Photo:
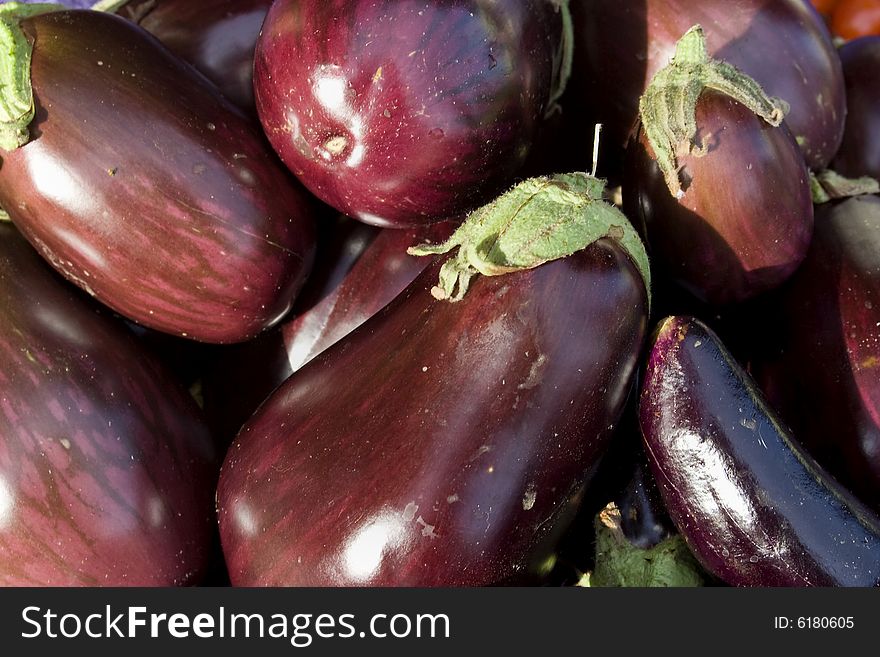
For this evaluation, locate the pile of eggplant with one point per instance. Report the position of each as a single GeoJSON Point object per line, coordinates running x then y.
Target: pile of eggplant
{"type": "Point", "coordinates": [438, 293]}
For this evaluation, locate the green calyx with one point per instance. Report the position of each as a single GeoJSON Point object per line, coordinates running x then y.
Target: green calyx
{"type": "Point", "coordinates": [566, 54]}
{"type": "Point", "coordinates": [539, 220]}
{"type": "Point", "coordinates": [667, 109]}
{"type": "Point", "coordinates": [16, 95]}
{"type": "Point", "coordinates": [109, 6]}
{"type": "Point", "coordinates": [619, 563]}
{"type": "Point", "coordinates": [829, 185]}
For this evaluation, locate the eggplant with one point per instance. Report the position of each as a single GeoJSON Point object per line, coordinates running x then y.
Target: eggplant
{"type": "Point", "coordinates": [859, 153]}
{"type": "Point", "coordinates": [783, 44]}
{"type": "Point", "coordinates": [146, 188]}
{"type": "Point", "coordinates": [217, 37]}
{"type": "Point", "coordinates": [107, 469]}
{"type": "Point", "coordinates": [644, 521]}
{"type": "Point", "coordinates": [753, 506]}
{"type": "Point", "coordinates": [360, 271]}
{"type": "Point", "coordinates": [401, 114]}
{"type": "Point", "coordinates": [443, 442]}
{"type": "Point", "coordinates": [744, 219]}
{"type": "Point", "coordinates": [818, 367]}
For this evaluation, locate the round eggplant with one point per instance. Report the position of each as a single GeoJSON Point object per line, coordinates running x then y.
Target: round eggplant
{"type": "Point", "coordinates": [107, 470]}
{"type": "Point", "coordinates": [443, 442]}
{"type": "Point", "coordinates": [744, 218]}
{"type": "Point", "coordinates": [146, 188]}
{"type": "Point", "coordinates": [753, 506]}
{"type": "Point", "coordinates": [822, 368]}
{"type": "Point", "coordinates": [784, 45]}
{"type": "Point", "coordinates": [401, 113]}
{"type": "Point", "coordinates": [859, 154]}
{"type": "Point", "coordinates": [217, 37]}
{"type": "Point", "coordinates": [360, 271]}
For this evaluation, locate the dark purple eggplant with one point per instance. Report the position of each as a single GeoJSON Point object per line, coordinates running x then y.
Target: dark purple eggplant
{"type": "Point", "coordinates": [821, 370]}
{"type": "Point", "coordinates": [783, 44]}
{"type": "Point", "coordinates": [217, 37]}
{"type": "Point", "coordinates": [744, 219]}
{"type": "Point", "coordinates": [442, 443]}
{"type": "Point", "coordinates": [401, 113]}
{"type": "Point", "coordinates": [107, 470]}
{"type": "Point", "coordinates": [753, 506]}
{"type": "Point", "coordinates": [859, 153]}
{"type": "Point", "coordinates": [356, 275]}
{"type": "Point", "coordinates": [644, 521]}
{"type": "Point", "coordinates": [142, 185]}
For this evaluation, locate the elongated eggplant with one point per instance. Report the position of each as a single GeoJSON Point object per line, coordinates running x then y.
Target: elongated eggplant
{"type": "Point", "coordinates": [783, 44]}
{"type": "Point", "coordinates": [145, 187]}
{"type": "Point", "coordinates": [820, 368]}
{"type": "Point", "coordinates": [405, 113]}
{"type": "Point", "coordinates": [752, 505]}
{"type": "Point", "coordinates": [106, 466]}
{"type": "Point", "coordinates": [442, 443]}
{"type": "Point", "coordinates": [356, 275]}
{"type": "Point", "coordinates": [859, 153]}
{"type": "Point", "coordinates": [218, 37]}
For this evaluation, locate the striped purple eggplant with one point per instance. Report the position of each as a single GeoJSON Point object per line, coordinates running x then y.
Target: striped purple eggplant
{"type": "Point", "coordinates": [359, 269]}
{"type": "Point", "coordinates": [753, 506]}
{"type": "Point", "coordinates": [859, 153]}
{"type": "Point", "coordinates": [146, 188]}
{"type": "Point", "coordinates": [217, 37]}
{"type": "Point", "coordinates": [401, 113]}
{"type": "Point", "coordinates": [106, 468]}
{"type": "Point", "coordinates": [820, 362]}
{"type": "Point", "coordinates": [439, 444]}
{"type": "Point", "coordinates": [784, 45]}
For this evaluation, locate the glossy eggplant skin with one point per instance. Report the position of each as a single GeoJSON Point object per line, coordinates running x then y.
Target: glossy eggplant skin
{"type": "Point", "coordinates": [783, 44]}
{"type": "Point", "coordinates": [402, 113]}
{"type": "Point", "coordinates": [217, 37]}
{"type": "Point", "coordinates": [359, 270]}
{"type": "Point", "coordinates": [745, 220]}
{"type": "Point", "coordinates": [106, 467]}
{"type": "Point", "coordinates": [439, 444]}
{"type": "Point", "coordinates": [859, 153]}
{"type": "Point", "coordinates": [146, 188]}
{"type": "Point", "coordinates": [819, 368]}
{"type": "Point", "coordinates": [753, 506]}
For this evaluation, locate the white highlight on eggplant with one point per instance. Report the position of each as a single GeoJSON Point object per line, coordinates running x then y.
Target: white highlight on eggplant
{"type": "Point", "coordinates": [245, 519]}
{"type": "Point", "coordinates": [7, 503]}
{"type": "Point", "coordinates": [54, 181]}
{"type": "Point", "coordinates": [364, 552]}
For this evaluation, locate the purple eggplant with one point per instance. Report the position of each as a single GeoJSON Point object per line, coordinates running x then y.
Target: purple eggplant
{"type": "Point", "coordinates": [644, 521]}
{"type": "Point", "coordinates": [819, 368]}
{"type": "Point", "coordinates": [783, 44]}
{"type": "Point", "coordinates": [743, 221]}
{"type": "Point", "coordinates": [217, 37]}
{"type": "Point", "coordinates": [359, 272]}
{"type": "Point", "coordinates": [859, 153]}
{"type": "Point", "coordinates": [443, 443]}
{"type": "Point", "coordinates": [401, 113]}
{"type": "Point", "coordinates": [142, 185]}
{"type": "Point", "coordinates": [753, 506]}
{"type": "Point", "coordinates": [107, 469]}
